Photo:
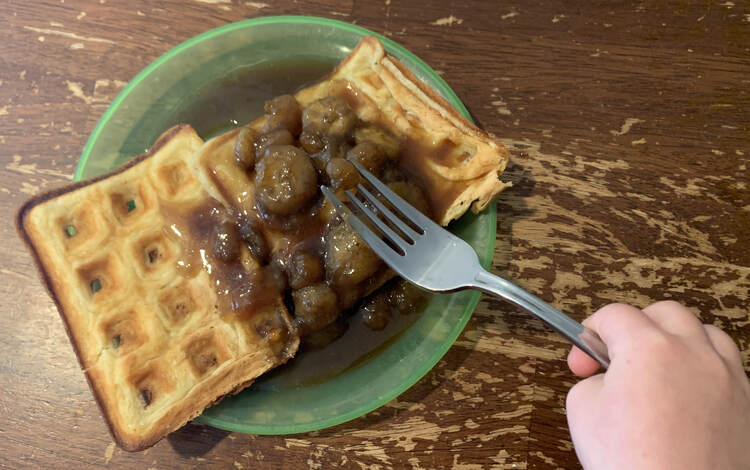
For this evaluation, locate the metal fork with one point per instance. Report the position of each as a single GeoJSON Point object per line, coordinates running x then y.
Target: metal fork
{"type": "Point", "coordinates": [434, 259]}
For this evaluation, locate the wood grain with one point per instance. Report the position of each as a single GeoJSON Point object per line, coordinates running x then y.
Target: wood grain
{"type": "Point", "coordinates": [628, 126]}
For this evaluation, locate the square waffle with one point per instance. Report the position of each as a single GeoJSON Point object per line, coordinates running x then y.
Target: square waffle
{"type": "Point", "coordinates": [156, 342]}
{"type": "Point", "coordinates": [456, 163]}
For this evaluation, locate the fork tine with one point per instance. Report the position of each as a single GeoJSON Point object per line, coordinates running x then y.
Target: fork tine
{"type": "Point", "coordinates": [379, 246]}
{"type": "Point", "coordinates": [396, 239]}
{"type": "Point", "coordinates": [392, 218]}
{"type": "Point", "coordinates": [406, 209]}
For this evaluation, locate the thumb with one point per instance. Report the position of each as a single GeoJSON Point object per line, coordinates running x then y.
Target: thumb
{"type": "Point", "coordinates": [581, 364]}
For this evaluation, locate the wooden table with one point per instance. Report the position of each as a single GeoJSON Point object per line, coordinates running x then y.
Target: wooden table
{"type": "Point", "coordinates": [628, 128]}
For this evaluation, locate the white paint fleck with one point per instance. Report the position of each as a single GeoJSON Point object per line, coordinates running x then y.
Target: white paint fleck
{"type": "Point", "coordinates": [640, 141]}
{"type": "Point", "coordinates": [31, 169]}
{"type": "Point", "coordinates": [55, 24]}
{"type": "Point", "coordinates": [3, 111]}
{"type": "Point", "coordinates": [238, 465]}
{"type": "Point", "coordinates": [67, 34]}
{"type": "Point", "coordinates": [509, 15]}
{"type": "Point", "coordinates": [77, 91]}
{"type": "Point", "coordinates": [625, 128]}
{"type": "Point", "coordinates": [28, 188]}
{"type": "Point", "coordinates": [22, 75]}
{"type": "Point", "coordinates": [139, 13]}
{"type": "Point", "coordinates": [501, 107]}
{"type": "Point", "coordinates": [109, 452]}
{"type": "Point", "coordinates": [40, 38]}
{"type": "Point", "coordinates": [717, 152]}
{"type": "Point", "coordinates": [414, 462]}
{"type": "Point", "coordinates": [76, 45]}
{"type": "Point", "coordinates": [464, 466]}
{"type": "Point", "coordinates": [81, 15]}
{"type": "Point", "coordinates": [448, 20]}
{"type": "Point", "coordinates": [727, 4]}
{"type": "Point", "coordinates": [557, 18]}
{"type": "Point", "coordinates": [739, 152]}
{"type": "Point", "coordinates": [214, 2]}
{"type": "Point", "coordinates": [257, 5]}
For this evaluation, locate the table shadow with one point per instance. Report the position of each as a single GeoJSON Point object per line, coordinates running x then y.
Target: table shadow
{"type": "Point", "coordinates": [195, 440]}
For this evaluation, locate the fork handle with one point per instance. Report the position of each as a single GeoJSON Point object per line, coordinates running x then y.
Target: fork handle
{"type": "Point", "coordinates": [585, 338]}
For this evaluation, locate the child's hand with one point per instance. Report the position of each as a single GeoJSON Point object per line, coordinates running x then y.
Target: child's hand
{"type": "Point", "coordinates": [675, 396]}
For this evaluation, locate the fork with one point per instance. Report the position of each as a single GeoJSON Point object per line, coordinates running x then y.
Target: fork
{"type": "Point", "coordinates": [434, 259]}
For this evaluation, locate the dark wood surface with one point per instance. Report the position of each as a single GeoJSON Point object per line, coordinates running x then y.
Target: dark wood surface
{"type": "Point", "coordinates": [628, 127]}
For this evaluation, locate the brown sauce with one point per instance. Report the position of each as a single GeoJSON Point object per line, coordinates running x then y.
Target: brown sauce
{"type": "Point", "coordinates": [242, 285]}
{"type": "Point", "coordinates": [356, 346]}
{"type": "Point", "coordinates": [238, 98]}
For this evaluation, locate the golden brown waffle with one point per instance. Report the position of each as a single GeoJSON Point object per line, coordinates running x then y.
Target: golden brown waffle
{"type": "Point", "coordinates": [457, 164]}
{"type": "Point", "coordinates": [156, 342]}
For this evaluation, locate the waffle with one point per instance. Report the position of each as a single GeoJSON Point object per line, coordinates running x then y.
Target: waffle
{"type": "Point", "coordinates": [457, 164]}
{"type": "Point", "coordinates": [156, 341]}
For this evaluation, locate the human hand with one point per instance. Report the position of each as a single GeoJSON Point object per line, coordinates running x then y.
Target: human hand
{"type": "Point", "coordinates": [674, 397]}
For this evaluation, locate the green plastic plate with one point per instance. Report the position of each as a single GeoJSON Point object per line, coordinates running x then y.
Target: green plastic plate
{"type": "Point", "coordinates": [179, 87]}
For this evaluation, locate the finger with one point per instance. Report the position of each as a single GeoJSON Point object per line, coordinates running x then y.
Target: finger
{"type": "Point", "coordinates": [581, 364]}
{"type": "Point", "coordinates": [724, 345]}
{"type": "Point", "coordinates": [619, 326]}
{"type": "Point", "coordinates": [675, 318]}
{"type": "Point", "coordinates": [581, 400]}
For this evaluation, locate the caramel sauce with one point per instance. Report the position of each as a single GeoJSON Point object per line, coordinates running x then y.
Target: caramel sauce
{"type": "Point", "coordinates": [355, 347]}
{"type": "Point", "coordinates": [241, 285]}
{"type": "Point", "coordinates": [239, 97]}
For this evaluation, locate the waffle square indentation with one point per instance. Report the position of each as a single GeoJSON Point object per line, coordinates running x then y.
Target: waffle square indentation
{"type": "Point", "coordinates": [205, 354]}
{"type": "Point", "coordinates": [123, 332]}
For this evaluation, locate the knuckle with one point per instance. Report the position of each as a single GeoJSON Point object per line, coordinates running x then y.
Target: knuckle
{"type": "Point", "coordinates": [660, 344]}
{"type": "Point", "coordinates": [667, 305]}
{"type": "Point", "coordinates": [611, 312]}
